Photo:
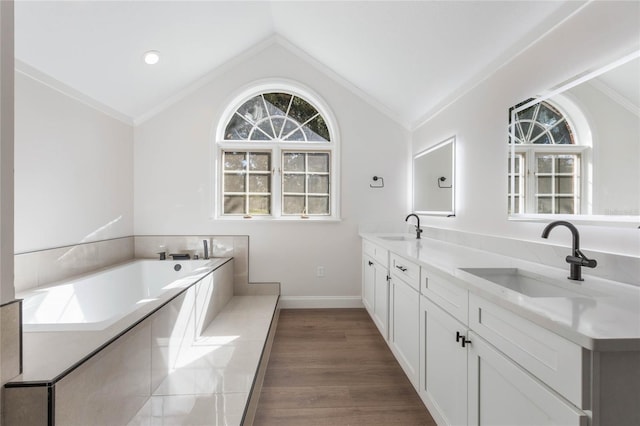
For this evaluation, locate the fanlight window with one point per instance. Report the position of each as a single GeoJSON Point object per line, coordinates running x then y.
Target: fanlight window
{"type": "Point", "coordinates": [545, 170]}
{"type": "Point", "coordinates": [277, 160]}
{"type": "Point", "coordinates": [277, 116]}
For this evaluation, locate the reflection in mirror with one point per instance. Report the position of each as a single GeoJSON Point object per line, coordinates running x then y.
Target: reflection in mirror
{"type": "Point", "coordinates": [575, 151]}
{"type": "Point", "coordinates": [434, 179]}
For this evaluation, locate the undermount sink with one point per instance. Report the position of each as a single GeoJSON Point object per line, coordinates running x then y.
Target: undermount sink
{"type": "Point", "coordinates": [523, 282]}
{"type": "Point", "coordinates": [398, 238]}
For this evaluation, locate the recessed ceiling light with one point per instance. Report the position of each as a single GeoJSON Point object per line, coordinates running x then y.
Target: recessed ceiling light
{"type": "Point", "coordinates": [152, 57]}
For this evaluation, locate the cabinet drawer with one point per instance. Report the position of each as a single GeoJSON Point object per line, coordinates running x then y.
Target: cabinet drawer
{"type": "Point", "coordinates": [452, 298]}
{"type": "Point", "coordinates": [559, 363]}
{"type": "Point", "coordinates": [407, 271]}
{"type": "Point", "coordinates": [376, 252]}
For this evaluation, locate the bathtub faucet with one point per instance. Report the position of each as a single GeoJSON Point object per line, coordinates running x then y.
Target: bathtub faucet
{"type": "Point", "coordinates": [206, 249]}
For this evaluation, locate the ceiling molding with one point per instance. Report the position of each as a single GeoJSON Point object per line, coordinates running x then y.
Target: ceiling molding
{"type": "Point", "coordinates": [31, 72]}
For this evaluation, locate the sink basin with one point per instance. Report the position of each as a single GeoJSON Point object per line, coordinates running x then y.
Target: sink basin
{"type": "Point", "coordinates": [523, 282]}
{"type": "Point", "coordinates": [398, 238]}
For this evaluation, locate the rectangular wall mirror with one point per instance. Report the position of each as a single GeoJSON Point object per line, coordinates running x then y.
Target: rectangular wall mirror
{"type": "Point", "coordinates": [434, 179]}
{"type": "Point", "coordinates": [574, 151]}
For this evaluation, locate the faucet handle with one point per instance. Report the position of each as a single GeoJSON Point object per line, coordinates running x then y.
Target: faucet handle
{"type": "Point", "coordinates": [581, 260]}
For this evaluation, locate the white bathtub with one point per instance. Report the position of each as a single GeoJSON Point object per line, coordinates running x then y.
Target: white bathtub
{"type": "Point", "coordinates": [97, 300]}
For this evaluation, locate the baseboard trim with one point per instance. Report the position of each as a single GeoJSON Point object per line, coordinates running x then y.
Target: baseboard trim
{"type": "Point", "coordinates": [306, 302]}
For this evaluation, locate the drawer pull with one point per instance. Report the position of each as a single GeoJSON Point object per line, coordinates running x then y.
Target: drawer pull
{"type": "Point", "coordinates": [462, 339]}
{"type": "Point", "coordinates": [402, 268]}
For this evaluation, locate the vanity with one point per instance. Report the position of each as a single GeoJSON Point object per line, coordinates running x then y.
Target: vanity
{"type": "Point", "coordinates": [489, 339]}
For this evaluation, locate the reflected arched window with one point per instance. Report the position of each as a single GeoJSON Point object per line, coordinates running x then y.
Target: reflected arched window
{"type": "Point", "coordinates": [545, 172]}
{"type": "Point", "coordinates": [277, 157]}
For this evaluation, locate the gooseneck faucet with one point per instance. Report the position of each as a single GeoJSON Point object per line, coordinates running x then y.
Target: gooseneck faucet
{"type": "Point", "coordinates": [418, 230]}
{"type": "Point", "coordinates": [577, 259]}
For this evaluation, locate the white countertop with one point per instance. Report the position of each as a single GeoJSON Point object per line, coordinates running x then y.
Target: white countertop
{"type": "Point", "coordinates": [606, 317]}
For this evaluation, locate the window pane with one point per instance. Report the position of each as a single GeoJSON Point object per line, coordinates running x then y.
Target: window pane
{"type": "Point", "coordinates": [277, 103]}
{"type": "Point", "coordinates": [234, 182]}
{"type": "Point", "coordinates": [318, 162]}
{"type": "Point", "coordinates": [562, 134]}
{"type": "Point", "coordinates": [543, 140]}
{"type": "Point", "coordinates": [318, 205]}
{"type": "Point", "coordinates": [296, 136]}
{"type": "Point", "coordinates": [293, 204]}
{"type": "Point", "coordinates": [547, 115]}
{"type": "Point", "coordinates": [517, 184]}
{"type": "Point", "coordinates": [565, 164]}
{"type": "Point", "coordinates": [564, 185]}
{"type": "Point", "coordinates": [544, 185]}
{"type": "Point", "coordinates": [278, 122]}
{"type": "Point", "coordinates": [234, 204]}
{"type": "Point", "coordinates": [316, 130]}
{"type": "Point", "coordinates": [234, 160]}
{"type": "Point", "coordinates": [259, 204]}
{"type": "Point", "coordinates": [544, 163]}
{"type": "Point", "coordinates": [544, 205]}
{"type": "Point", "coordinates": [237, 129]}
{"type": "Point", "coordinates": [319, 184]}
{"type": "Point", "coordinates": [301, 110]}
{"type": "Point", "coordinates": [265, 126]}
{"type": "Point", "coordinates": [259, 183]}
{"type": "Point", "coordinates": [260, 161]}
{"type": "Point", "coordinates": [294, 183]}
{"type": "Point", "coordinates": [253, 110]}
{"type": "Point", "coordinates": [293, 162]}
{"type": "Point", "coordinates": [289, 126]}
{"type": "Point", "coordinates": [564, 206]}
{"type": "Point", "coordinates": [257, 135]}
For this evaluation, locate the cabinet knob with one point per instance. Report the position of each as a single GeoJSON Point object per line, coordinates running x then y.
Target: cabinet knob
{"type": "Point", "coordinates": [370, 263]}
{"type": "Point", "coordinates": [459, 336]}
{"type": "Point", "coordinates": [402, 268]}
{"type": "Point", "coordinates": [465, 342]}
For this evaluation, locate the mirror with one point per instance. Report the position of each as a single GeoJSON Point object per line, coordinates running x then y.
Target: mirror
{"type": "Point", "coordinates": [574, 151]}
{"type": "Point", "coordinates": [434, 179]}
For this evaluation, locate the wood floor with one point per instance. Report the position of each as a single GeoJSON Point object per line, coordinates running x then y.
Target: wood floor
{"type": "Point", "coordinates": [332, 367]}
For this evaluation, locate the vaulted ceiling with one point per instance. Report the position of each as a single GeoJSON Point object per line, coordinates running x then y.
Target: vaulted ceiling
{"type": "Point", "coordinates": [408, 58]}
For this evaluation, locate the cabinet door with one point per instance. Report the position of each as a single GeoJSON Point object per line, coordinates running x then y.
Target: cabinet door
{"type": "Point", "coordinates": [381, 299]}
{"type": "Point", "coordinates": [368, 283]}
{"type": "Point", "coordinates": [443, 377]}
{"type": "Point", "coordinates": [502, 393]}
{"type": "Point", "coordinates": [404, 336]}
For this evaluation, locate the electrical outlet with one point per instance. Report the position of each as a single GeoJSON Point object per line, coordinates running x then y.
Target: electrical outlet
{"type": "Point", "coordinates": [320, 272]}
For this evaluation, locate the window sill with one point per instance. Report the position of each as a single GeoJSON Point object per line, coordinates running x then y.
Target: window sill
{"type": "Point", "coordinates": [315, 219]}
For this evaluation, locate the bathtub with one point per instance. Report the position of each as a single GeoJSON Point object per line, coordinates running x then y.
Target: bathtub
{"type": "Point", "coordinates": [97, 300]}
{"type": "Point", "coordinates": [96, 347]}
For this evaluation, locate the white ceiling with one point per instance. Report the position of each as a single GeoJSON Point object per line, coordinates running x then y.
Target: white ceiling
{"type": "Point", "coordinates": [408, 58]}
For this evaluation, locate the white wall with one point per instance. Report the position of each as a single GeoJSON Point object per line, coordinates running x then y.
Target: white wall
{"type": "Point", "coordinates": [73, 170]}
{"type": "Point", "coordinates": [596, 35]}
{"type": "Point", "coordinates": [174, 182]}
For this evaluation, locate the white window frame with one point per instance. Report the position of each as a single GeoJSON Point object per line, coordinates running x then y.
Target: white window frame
{"type": "Point", "coordinates": [277, 148]}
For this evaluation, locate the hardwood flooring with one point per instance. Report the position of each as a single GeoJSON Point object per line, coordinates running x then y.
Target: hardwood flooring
{"type": "Point", "coordinates": [332, 367]}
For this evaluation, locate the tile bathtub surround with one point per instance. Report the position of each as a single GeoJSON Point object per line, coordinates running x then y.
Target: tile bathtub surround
{"type": "Point", "coordinates": [42, 267]}
{"type": "Point", "coordinates": [10, 340]}
{"type": "Point", "coordinates": [236, 246]}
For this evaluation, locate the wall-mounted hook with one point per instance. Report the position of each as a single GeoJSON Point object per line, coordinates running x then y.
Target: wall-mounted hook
{"type": "Point", "coordinates": [442, 179]}
{"type": "Point", "coordinates": [378, 185]}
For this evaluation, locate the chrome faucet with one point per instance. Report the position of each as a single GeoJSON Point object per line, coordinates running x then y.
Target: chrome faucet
{"type": "Point", "coordinates": [205, 243]}
{"type": "Point", "coordinates": [577, 259]}
{"type": "Point", "coordinates": [418, 230]}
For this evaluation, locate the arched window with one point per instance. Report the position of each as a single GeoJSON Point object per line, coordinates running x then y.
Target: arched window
{"type": "Point", "coordinates": [546, 169]}
{"type": "Point", "coordinates": [277, 156]}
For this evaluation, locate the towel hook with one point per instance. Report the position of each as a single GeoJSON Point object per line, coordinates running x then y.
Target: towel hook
{"type": "Point", "coordinates": [375, 179]}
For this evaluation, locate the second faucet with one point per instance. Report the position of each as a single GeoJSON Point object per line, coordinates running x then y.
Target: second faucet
{"type": "Point", "coordinates": [418, 230]}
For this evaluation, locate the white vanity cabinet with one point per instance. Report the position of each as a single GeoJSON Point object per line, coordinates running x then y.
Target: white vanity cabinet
{"type": "Point", "coordinates": [443, 364]}
{"type": "Point", "coordinates": [405, 316]}
{"type": "Point", "coordinates": [375, 285]}
{"type": "Point", "coordinates": [481, 364]}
